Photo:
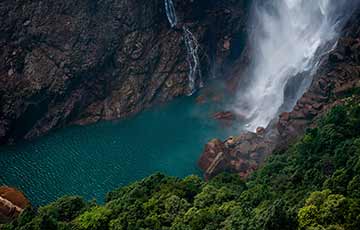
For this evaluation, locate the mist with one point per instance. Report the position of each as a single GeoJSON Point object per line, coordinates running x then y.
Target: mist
{"type": "Point", "coordinates": [288, 36]}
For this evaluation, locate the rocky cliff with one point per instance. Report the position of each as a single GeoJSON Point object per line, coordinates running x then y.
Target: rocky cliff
{"type": "Point", "coordinates": [338, 77]}
{"type": "Point", "coordinates": [66, 62]}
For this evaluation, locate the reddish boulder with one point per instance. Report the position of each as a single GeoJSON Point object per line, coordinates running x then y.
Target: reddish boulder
{"type": "Point", "coordinates": [224, 116]}
{"type": "Point", "coordinates": [211, 151]}
{"type": "Point", "coordinates": [242, 154]}
{"type": "Point", "coordinates": [12, 203]}
{"type": "Point", "coordinates": [260, 130]}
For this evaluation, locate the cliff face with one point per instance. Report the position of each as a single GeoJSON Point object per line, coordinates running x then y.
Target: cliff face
{"type": "Point", "coordinates": [65, 62]}
{"type": "Point", "coordinates": [338, 77]}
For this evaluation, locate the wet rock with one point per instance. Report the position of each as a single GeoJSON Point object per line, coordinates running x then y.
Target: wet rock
{"type": "Point", "coordinates": [211, 153]}
{"type": "Point", "coordinates": [241, 154]}
{"type": "Point", "coordinates": [336, 57]}
{"type": "Point", "coordinates": [260, 130]}
{"type": "Point", "coordinates": [224, 116]}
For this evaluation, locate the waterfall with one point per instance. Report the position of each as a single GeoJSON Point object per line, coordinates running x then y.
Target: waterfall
{"type": "Point", "coordinates": [288, 36]}
{"type": "Point", "coordinates": [170, 12]}
{"type": "Point", "coordinates": [192, 47]}
{"type": "Point", "coordinates": [191, 44]}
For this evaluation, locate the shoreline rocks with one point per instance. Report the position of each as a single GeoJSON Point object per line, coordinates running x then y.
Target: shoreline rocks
{"type": "Point", "coordinates": [241, 154]}
{"type": "Point", "coordinates": [12, 203]}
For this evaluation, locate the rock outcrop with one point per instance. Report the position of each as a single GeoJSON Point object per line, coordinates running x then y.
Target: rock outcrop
{"type": "Point", "coordinates": [12, 203]}
{"type": "Point", "coordinates": [66, 62]}
{"type": "Point", "coordinates": [338, 77]}
{"type": "Point", "coordinates": [241, 154]}
{"type": "Point", "coordinates": [224, 116]}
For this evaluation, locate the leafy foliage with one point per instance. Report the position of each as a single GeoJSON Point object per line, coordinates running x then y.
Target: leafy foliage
{"type": "Point", "coordinates": [315, 184]}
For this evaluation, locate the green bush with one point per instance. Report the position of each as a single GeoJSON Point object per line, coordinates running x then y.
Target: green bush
{"type": "Point", "coordinates": [96, 218]}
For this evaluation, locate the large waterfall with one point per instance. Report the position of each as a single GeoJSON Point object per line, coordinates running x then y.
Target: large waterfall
{"type": "Point", "coordinates": [191, 44]}
{"type": "Point", "coordinates": [288, 37]}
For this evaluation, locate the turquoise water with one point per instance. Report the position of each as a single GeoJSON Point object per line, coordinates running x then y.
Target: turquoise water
{"type": "Point", "coordinates": [92, 160]}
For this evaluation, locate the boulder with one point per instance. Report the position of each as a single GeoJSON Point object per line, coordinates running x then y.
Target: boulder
{"type": "Point", "coordinates": [337, 77]}
{"type": "Point", "coordinates": [212, 149]}
{"type": "Point", "coordinates": [12, 203]}
{"type": "Point", "coordinates": [260, 130]}
{"type": "Point", "coordinates": [241, 154]}
{"type": "Point", "coordinates": [224, 116]}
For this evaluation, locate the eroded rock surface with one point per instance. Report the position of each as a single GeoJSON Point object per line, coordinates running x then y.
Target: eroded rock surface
{"type": "Point", "coordinates": [241, 154]}
{"type": "Point", "coordinates": [64, 62]}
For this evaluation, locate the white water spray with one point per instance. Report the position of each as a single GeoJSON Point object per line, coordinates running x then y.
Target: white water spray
{"type": "Point", "coordinates": [288, 36]}
{"type": "Point", "coordinates": [191, 44]}
{"type": "Point", "coordinates": [171, 13]}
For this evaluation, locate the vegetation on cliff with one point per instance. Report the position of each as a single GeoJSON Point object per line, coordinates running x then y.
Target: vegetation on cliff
{"type": "Point", "coordinates": [314, 184]}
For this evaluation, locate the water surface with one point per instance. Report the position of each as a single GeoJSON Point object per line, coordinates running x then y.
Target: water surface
{"type": "Point", "coordinates": [92, 160]}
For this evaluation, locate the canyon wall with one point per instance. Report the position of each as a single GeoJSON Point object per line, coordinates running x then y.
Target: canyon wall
{"type": "Point", "coordinates": [78, 62]}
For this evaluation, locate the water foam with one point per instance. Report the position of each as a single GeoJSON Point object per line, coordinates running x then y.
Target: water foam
{"type": "Point", "coordinates": [288, 35]}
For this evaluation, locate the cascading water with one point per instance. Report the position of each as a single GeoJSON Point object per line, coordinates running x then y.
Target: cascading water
{"type": "Point", "coordinates": [170, 12]}
{"type": "Point", "coordinates": [288, 37]}
{"type": "Point", "coordinates": [192, 46]}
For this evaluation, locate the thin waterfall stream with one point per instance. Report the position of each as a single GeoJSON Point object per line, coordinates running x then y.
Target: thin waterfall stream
{"type": "Point", "coordinates": [170, 12]}
{"type": "Point", "coordinates": [191, 44]}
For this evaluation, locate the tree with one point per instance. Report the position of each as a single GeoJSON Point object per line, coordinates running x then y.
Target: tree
{"type": "Point", "coordinates": [96, 218]}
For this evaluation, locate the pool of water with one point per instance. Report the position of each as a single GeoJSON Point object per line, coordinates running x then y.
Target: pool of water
{"type": "Point", "coordinates": [92, 160]}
